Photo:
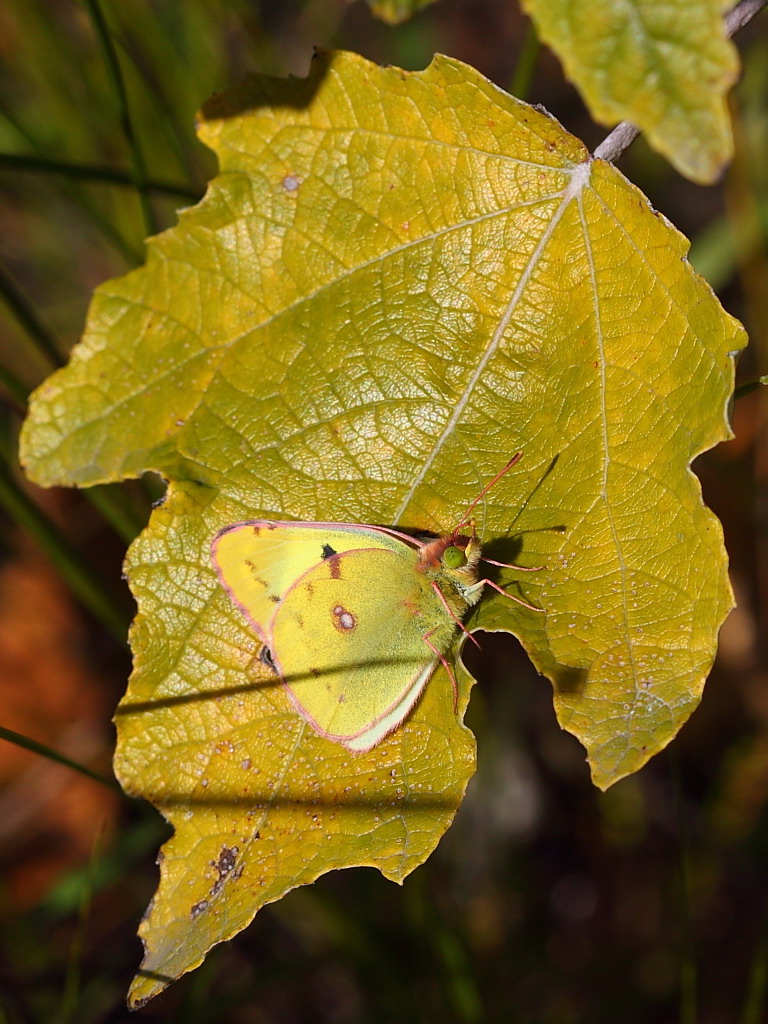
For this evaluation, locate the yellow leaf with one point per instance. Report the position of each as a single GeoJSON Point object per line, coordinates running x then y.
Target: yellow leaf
{"type": "Point", "coordinates": [396, 281]}
{"type": "Point", "coordinates": [664, 65]}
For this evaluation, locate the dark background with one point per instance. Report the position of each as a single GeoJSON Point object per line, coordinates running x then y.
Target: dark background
{"type": "Point", "coordinates": [547, 901]}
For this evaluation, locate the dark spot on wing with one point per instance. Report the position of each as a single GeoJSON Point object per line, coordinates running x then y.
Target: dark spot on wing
{"type": "Point", "coordinates": [274, 598]}
{"type": "Point", "coordinates": [254, 569]}
{"type": "Point", "coordinates": [328, 551]}
{"type": "Point", "coordinates": [334, 563]}
{"type": "Point", "coordinates": [343, 619]}
{"type": "Point", "coordinates": [265, 657]}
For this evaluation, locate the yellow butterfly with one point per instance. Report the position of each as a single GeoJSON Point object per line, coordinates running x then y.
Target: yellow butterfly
{"type": "Point", "coordinates": [356, 618]}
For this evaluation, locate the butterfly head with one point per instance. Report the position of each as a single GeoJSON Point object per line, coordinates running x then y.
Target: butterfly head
{"type": "Point", "coordinates": [455, 553]}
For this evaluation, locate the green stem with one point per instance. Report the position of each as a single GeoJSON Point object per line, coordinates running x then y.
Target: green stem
{"type": "Point", "coordinates": [79, 577]}
{"type": "Point", "coordinates": [688, 971]}
{"type": "Point", "coordinates": [33, 326]}
{"type": "Point", "coordinates": [68, 1007]}
{"type": "Point", "coordinates": [19, 740]}
{"type": "Point", "coordinates": [85, 172]}
{"type": "Point", "coordinates": [749, 386]}
{"type": "Point", "coordinates": [754, 1004]}
{"type": "Point", "coordinates": [17, 396]}
{"type": "Point", "coordinates": [526, 63]}
{"type": "Point", "coordinates": [115, 511]}
{"type": "Point", "coordinates": [115, 75]}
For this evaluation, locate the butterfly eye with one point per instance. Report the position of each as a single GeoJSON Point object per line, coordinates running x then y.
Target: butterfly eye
{"type": "Point", "coordinates": [454, 558]}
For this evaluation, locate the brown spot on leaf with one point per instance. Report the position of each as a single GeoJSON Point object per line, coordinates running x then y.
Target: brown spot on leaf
{"type": "Point", "coordinates": [223, 866]}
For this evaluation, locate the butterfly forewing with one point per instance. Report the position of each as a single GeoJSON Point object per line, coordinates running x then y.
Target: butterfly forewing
{"type": "Point", "coordinates": [257, 561]}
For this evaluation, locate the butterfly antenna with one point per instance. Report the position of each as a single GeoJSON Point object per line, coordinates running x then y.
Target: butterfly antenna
{"type": "Point", "coordinates": [465, 518]}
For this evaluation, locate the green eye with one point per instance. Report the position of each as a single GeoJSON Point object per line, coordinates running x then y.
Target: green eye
{"type": "Point", "coordinates": [454, 558]}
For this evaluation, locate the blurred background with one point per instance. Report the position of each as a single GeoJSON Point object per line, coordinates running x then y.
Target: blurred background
{"type": "Point", "coordinates": [547, 901]}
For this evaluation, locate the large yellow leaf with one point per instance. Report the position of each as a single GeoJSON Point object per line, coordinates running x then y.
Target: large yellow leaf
{"type": "Point", "coordinates": [396, 281]}
{"type": "Point", "coordinates": [664, 65]}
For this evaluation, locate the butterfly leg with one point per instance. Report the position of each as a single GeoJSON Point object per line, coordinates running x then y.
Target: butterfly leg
{"type": "Point", "coordinates": [447, 668]}
{"type": "Point", "coordinates": [517, 600]}
{"type": "Point", "coordinates": [452, 614]}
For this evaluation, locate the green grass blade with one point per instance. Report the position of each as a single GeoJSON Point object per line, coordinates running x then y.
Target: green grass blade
{"type": "Point", "coordinates": [116, 511]}
{"type": "Point", "coordinates": [132, 256]}
{"type": "Point", "coordinates": [85, 172]}
{"type": "Point", "coordinates": [19, 740]}
{"type": "Point", "coordinates": [34, 328]}
{"type": "Point", "coordinates": [115, 74]}
{"type": "Point", "coordinates": [757, 985]}
{"type": "Point", "coordinates": [76, 573]}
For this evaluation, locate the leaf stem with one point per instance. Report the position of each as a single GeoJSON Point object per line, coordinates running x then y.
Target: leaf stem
{"type": "Point", "coordinates": [86, 172]}
{"type": "Point", "coordinates": [81, 580]}
{"type": "Point", "coordinates": [741, 15]}
{"type": "Point", "coordinates": [624, 134]}
{"type": "Point", "coordinates": [115, 75]}
{"type": "Point", "coordinates": [26, 743]}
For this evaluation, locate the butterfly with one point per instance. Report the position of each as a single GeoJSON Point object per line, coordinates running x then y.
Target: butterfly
{"type": "Point", "coordinates": [355, 618]}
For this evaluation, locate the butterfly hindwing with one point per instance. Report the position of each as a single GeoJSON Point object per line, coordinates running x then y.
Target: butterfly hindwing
{"type": "Point", "coordinates": [348, 639]}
